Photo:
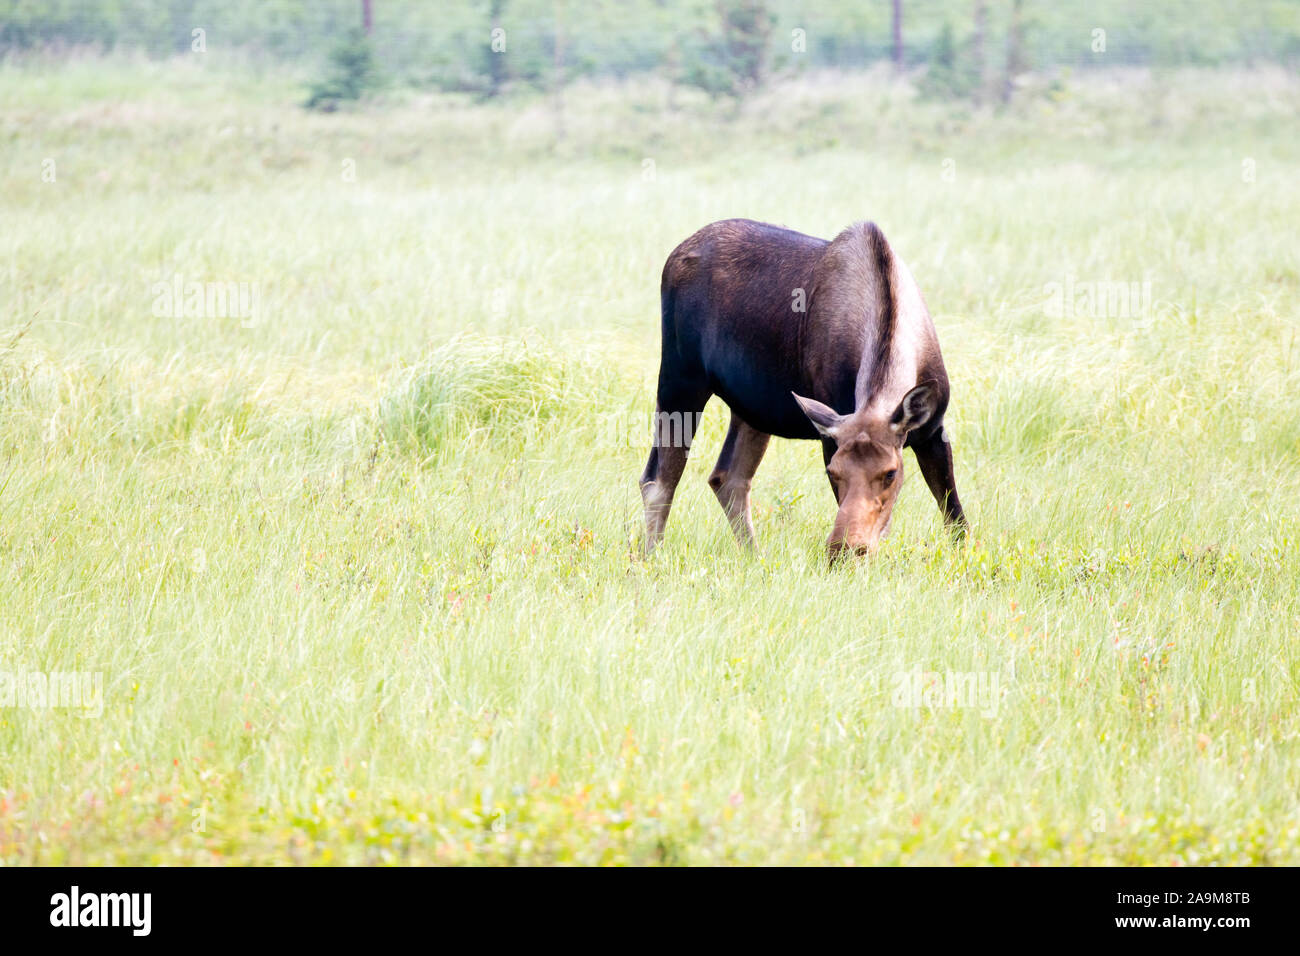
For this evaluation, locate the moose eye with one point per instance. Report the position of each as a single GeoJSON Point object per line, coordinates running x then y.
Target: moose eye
{"type": "Point", "coordinates": [890, 476]}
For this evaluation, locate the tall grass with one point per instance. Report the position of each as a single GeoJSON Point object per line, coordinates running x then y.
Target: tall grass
{"type": "Point", "coordinates": [501, 388]}
{"type": "Point", "coordinates": [360, 573]}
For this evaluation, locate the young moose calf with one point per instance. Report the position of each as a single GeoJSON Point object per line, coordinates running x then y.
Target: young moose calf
{"type": "Point", "coordinates": [802, 338]}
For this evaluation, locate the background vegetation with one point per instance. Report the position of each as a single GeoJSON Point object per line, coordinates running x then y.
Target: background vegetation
{"type": "Point", "coordinates": [445, 45]}
{"type": "Point", "coordinates": [359, 569]}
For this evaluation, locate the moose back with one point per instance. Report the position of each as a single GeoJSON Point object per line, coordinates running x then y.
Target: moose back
{"type": "Point", "coordinates": [802, 338]}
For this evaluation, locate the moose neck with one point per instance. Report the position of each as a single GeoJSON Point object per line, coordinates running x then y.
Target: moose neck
{"type": "Point", "coordinates": [893, 345]}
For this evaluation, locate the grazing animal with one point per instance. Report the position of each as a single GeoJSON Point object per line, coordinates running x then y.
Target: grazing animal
{"type": "Point", "coordinates": [802, 338]}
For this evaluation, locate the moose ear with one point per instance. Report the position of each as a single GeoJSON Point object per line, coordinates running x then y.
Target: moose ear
{"type": "Point", "coordinates": [917, 407]}
{"type": "Point", "coordinates": [823, 417]}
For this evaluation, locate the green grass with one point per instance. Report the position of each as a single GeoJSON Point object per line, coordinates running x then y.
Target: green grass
{"type": "Point", "coordinates": [359, 572]}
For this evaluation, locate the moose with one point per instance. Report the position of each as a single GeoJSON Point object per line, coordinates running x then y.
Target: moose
{"type": "Point", "coordinates": [802, 338]}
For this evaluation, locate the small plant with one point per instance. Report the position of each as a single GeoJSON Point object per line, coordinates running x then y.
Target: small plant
{"type": "Point", "coordinates": [472, 384]}
{"type": "Point", "coordinates": [733, 61]}
{"type": "Point", "coordinates": [952, 72]}
{"type": "Point", "coordinates": [785, 502]}
{"type": "Point", "coordinates": [351, 73]}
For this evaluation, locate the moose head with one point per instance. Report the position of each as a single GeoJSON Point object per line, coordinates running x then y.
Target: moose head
{"type": "Point", "coordinates": [866, 470]}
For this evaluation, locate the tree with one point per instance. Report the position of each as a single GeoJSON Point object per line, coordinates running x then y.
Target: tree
{"type": "Point", "coordinates": [898, 35]}
{"type": "Point", "coordinates": [557, 78]}
{"type": "Point", "coordinates": [746, 30]}
{"type": "Point", "coordinates": [496, 56]}
{"type": "Point", "coordinates": [1016, 62]}
{"type": "Point", "coordinates": [732, 61]}
{"type": "Point", "coordinates": [977, 49]}
{"type": "Point", "coordinates": [351, 73]}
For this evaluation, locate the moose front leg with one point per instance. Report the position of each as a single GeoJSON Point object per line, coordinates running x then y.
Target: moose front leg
{"type": "Point", "coordinates": [934, 455]}
{"type": "Point", "coordinates": [732, 476]}
{"type": "Point", "coordinates": [658, 484]}
{"type": "Point", "coordinates": [674, 428]}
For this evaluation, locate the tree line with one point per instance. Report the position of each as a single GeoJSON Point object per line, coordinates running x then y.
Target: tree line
{"type": "Point", "coordinates": [725, 47]}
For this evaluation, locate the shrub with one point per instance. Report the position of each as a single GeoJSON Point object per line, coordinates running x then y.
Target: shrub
{"type": "Point", "coordinates": [351, 73]}
{"type": "Point", "coordinates": [473, 384]}
{"type": "Point", "coordinates": [952, 73]}
{"type": "Point", "coordinates": [732, 62]}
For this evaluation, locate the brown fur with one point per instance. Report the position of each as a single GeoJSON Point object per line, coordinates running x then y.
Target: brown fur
{"type": "Point", "coordinates": [864, 353]}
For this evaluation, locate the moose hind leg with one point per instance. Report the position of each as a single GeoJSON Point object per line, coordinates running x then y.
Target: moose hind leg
{"type": "Point", "coordinates": [670, 446]}
{"type": "Point", "coordinates": [732, 476]}
{"type": "Point", "coordinates": [934, 455]}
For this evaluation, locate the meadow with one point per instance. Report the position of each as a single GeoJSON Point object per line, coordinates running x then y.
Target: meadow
{"type": "Point", "coordinates": [358, 565]}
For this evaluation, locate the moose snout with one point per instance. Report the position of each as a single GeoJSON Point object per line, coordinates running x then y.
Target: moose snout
{"type": "Point", "coordinates": [836, 550]}
{"type": "Point", "coordinates": [857, 534]}
{"type": "Point", "coordinates": [850, 546]}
